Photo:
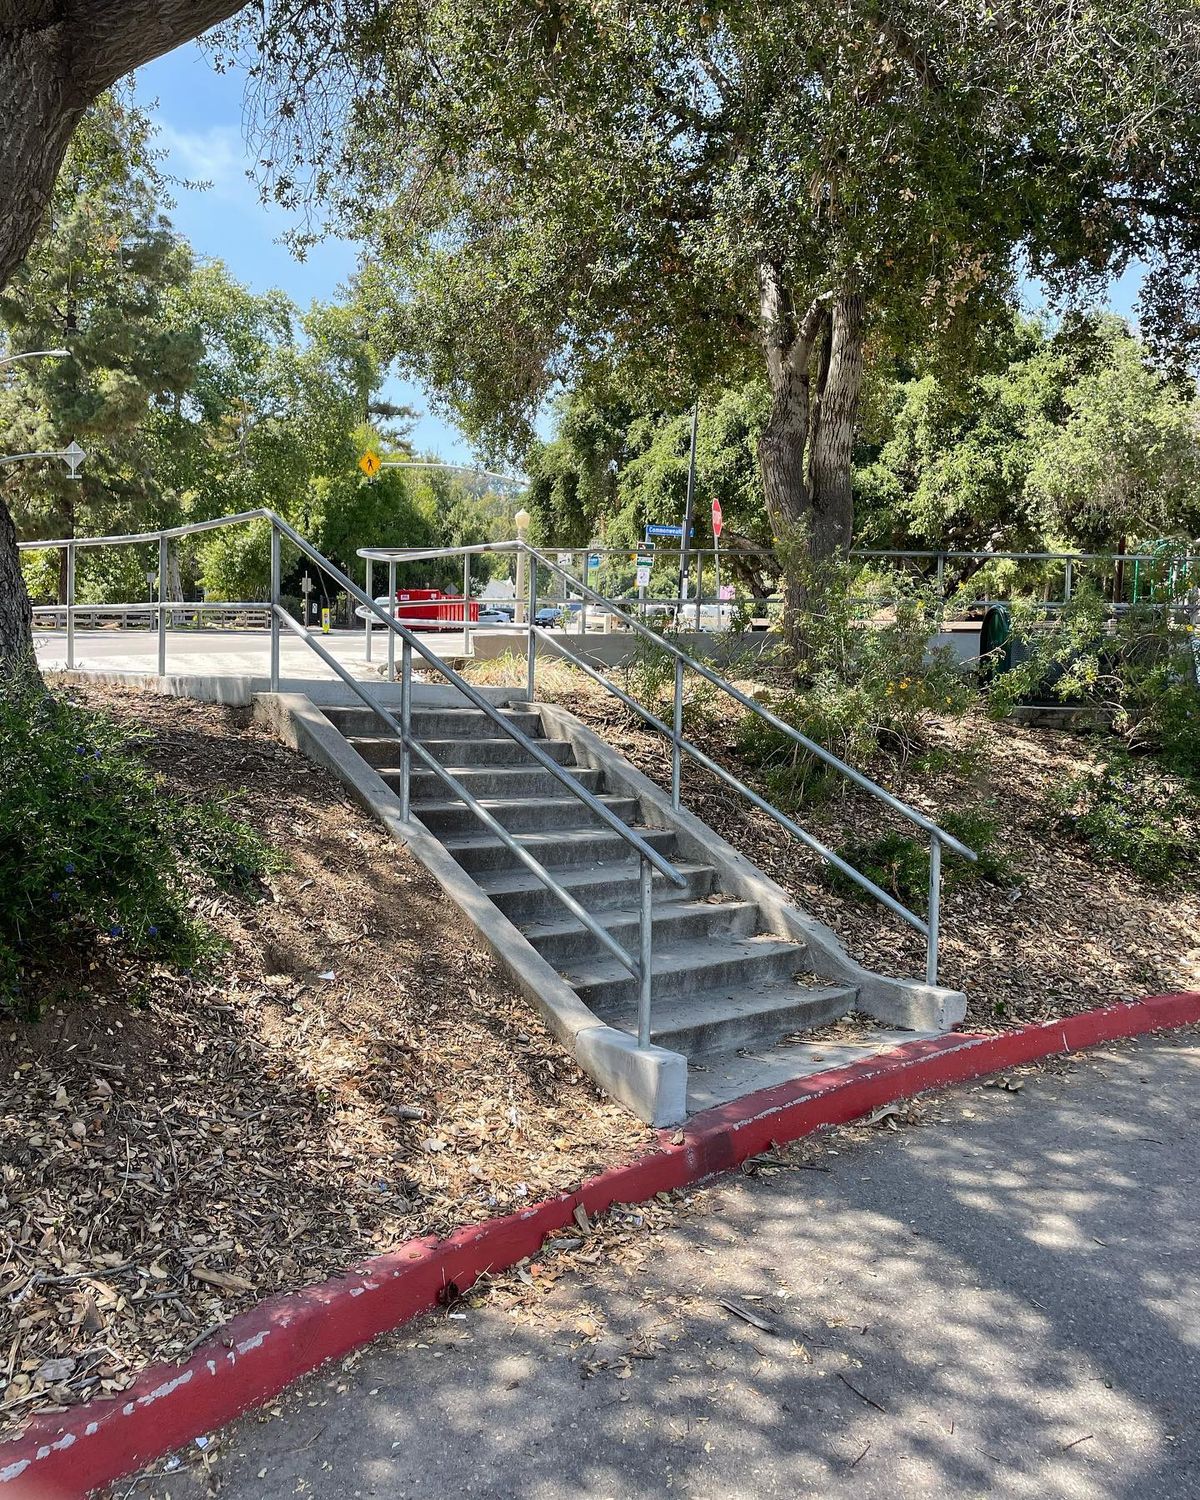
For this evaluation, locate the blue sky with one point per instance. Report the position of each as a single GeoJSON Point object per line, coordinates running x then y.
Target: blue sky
{"type": "Point", "coordinates": [199, 113]}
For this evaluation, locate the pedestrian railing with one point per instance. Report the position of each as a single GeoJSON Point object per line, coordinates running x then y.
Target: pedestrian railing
{"type": "Point", "coordinates": [650, 861]}
{"type": "Point", "coordinates": [530, 560]}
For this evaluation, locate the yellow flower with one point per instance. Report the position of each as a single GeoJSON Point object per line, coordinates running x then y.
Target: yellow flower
{"type": "Point", "coordinates": [949, 701]}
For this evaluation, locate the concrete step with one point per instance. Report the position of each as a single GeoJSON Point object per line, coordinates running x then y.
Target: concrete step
{"type": "Point", "coordinates": [567, 941]}
{"type": "Point", "coordinates": [523, 898]}
{"type": "Point", "coordinates": [450, 816]}
{"type": "Point", "coordinates": [722, 1020]}
{"type": "Point", "coordinates": [728, 964]}
{"type": "Point", "coordinates": [492, 781]}
{"type": "Point", "coordinates": [384, 750]}
{"type": "Point", "coordinates": [437, 723]}
{"type": "Point", "coordinates": [561, 849]}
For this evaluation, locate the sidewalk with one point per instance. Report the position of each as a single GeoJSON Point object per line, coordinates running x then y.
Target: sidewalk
{"type": "Point", "coordinates": [999, 1301]}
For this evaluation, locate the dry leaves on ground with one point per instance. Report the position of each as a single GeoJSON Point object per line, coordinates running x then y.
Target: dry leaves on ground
{"type": "Point", "coordinates": [357, 1071]}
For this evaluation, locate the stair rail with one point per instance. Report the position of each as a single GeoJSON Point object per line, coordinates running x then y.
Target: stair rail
{"type": "Point", "coordinates": [928, 926]}
{"type": "Point", "coordinates": [650, 860]}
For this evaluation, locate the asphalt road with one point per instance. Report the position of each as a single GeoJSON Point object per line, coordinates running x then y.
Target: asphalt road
{"type": "Point", "coordinates": [1000, 1300]}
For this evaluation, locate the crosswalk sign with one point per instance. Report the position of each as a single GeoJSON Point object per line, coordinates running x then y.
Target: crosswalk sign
{"type": "Point", "coordinates": [369, 463]}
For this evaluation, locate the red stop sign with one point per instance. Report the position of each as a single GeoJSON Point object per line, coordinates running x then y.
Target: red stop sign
{"type": "Point", "coordinates": [718, 520]}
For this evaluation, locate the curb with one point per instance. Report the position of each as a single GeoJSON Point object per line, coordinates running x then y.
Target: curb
{"type": "Point", "coordinates": [67, 1455]}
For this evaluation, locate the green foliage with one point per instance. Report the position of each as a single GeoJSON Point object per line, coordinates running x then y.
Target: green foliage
{"type": "Point", "coordinates": [98, 283]}
{"type": "Point", "coordinates": [869, 686]}
{"type": "Point", "coordinates": [899, 863]}
{"type": "Point", "coordinates": [1130, 812]}
{"type": "Point", "coordinates": [1140, 674]}
{"type": "Point", "coordinates": [1070, 439]}
{"type": "Point", "coordinates": [92, 850]}
{"type": "Point", "coordinates": [1124, 461]}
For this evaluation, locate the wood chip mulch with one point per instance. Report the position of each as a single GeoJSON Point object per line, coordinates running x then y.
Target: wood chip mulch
{"type": "Point", "coordinates": [355, 1072]}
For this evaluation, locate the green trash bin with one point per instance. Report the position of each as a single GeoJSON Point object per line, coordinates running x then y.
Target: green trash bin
{"type": "Point", "coordinates": [995, 642]}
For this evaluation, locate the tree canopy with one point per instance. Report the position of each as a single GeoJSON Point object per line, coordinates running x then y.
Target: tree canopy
{"type": "Point", "coordinates": [682, 194]}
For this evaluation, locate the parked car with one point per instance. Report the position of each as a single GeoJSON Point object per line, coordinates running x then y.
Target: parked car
{"type": "Point", "coordinates": [551, 615]}
{"type": "Point", "coordinates": [495, 615]}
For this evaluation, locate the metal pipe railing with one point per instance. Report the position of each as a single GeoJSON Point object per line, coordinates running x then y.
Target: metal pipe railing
{"type": "Point", "coordinates": [410, 746]}
{"type": "Point", "coordinates": [477, 699]}
{"type": "Point", "coordinates": [679, 745]}
{"type": "Point", "coordinates": [698, 755]}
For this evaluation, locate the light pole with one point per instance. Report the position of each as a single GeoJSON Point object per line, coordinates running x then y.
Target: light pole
{"type": "Point", "coordinates": [11, 359]}
{"type": "Point", "coordinates": [72, 455]}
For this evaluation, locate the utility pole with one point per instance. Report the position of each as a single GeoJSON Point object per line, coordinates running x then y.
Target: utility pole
{"type": "Point", "coordinates": [687, 513]}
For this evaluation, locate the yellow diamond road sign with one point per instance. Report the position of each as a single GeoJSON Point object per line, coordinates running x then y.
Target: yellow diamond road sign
{"type": "Point", "coordinates": [369, 464]}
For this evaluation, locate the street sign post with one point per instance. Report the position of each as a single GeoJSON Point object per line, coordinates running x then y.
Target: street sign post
{"type": "Point", "coordinates": [718, 525]}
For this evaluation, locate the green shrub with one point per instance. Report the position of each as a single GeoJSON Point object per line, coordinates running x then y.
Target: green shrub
{"type": "Point", "coordinates": [1140, 672]}
{"type": "Point", "coordinates": [92, 849]}
{"type": "Point", "coordinates": [1133, 813]}
{"type": "Point", "coordinates": [899, 863]}
{"type": "Point", "coordinates": [867, 688]}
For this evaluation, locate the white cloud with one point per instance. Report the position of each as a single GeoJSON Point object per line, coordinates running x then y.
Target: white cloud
{"type": "Point", "coordinates": [215, 155]}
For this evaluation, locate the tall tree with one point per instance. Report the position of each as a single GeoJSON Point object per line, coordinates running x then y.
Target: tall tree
{"type": "Point", "coordinates": [56, 58]}
{"type": "Point", "coordinates": [685, 191]}
{"type": "Point", "coordinates": [99, 282]}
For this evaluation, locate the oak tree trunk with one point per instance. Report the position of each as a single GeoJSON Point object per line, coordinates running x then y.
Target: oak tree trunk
{"type": "Point", "coordinates": [16, 621]}
{"type": "Point", "coordinates": [815, 366]}
{"type": "Point", "coordinates": [55, 59]}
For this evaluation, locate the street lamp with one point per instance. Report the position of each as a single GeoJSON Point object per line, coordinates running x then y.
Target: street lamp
{"type": "Point", "coordinates": [11, 359]}
{"type": "Point", "coordinates": [72, 455]}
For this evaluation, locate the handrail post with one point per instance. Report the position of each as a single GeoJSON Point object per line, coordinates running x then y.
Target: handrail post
{"type": "Point", "coordinates": [393, 612]}
{"type": "Point", "coordinates": [368, 622]}
{"type": "Point", "coordinates": [466, 603]}
{"type": "Point", "coordinates": [162, 612]}
{"type": "Point", "coordinates": [1068, 581]}
{"type": "Point", "coordinates": [645, 949]}
{"type": "Point", "coordinates": [530, 637]}
{"type": "Point", "coordinates": [275, 579]}
{"type": "Point", "coordinates": [677, 737]}
{"type": "Point", "coordinates": [405, 725]}
{"type": "Point", "coordinates": [70, 606]}
{"type": "Point", "coordinates": [934, 913]}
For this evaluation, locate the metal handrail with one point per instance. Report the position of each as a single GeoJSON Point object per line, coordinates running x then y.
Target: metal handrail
{"type": "Point", "coordinates": [789, 730]}
{"type": "Point", "coordinates": [938, 836]}
{"type": "Point", "coordinates": [650, 860]}
{"type": "Point", "coordinates": [730, 779]}
{"type": "Point", "coordinates": [414, 746]}
{"type": "Point", "coordinates": [594, 805]}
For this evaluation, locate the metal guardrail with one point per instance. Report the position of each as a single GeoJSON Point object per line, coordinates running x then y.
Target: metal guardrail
{"type": "Point", "coordinates": [529, 560]}
{"type": "Point", "coordinates": [650, 860]}
{"type": "Point", "coordinates": [707, 560]}
{"type": "Point", "coordinates": [185, 614]}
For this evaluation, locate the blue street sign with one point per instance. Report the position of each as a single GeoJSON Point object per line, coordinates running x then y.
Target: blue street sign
{"type": "Point", "coordinates": [675, 531]}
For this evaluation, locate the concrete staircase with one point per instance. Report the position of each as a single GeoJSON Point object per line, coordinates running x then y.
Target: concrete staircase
{"type": "Point", "coordinates": [723, 977]}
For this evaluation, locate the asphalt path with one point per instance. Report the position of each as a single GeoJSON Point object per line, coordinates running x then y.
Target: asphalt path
{"type": "Point", "coordinates": [999, 1299]}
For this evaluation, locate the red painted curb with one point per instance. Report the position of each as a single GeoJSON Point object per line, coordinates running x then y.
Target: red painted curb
{"type": "Point", "coordinates": [67, 1455]}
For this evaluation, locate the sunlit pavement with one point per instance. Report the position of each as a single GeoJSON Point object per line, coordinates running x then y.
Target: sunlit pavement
{"type": "Point", "coordinates": [225, 653]}
{"type": "Point", "coordinates": [999, 1301]}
